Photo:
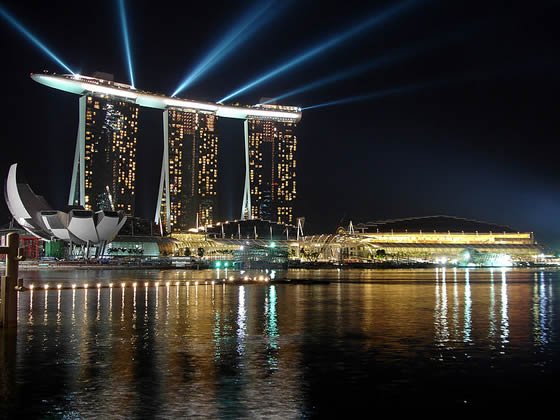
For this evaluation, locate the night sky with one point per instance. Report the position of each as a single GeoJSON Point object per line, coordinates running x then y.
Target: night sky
{"type": "Point", "coordinates": [481, 144]}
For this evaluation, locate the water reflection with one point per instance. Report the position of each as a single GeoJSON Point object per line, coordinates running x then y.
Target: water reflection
{"type": "Point", "coordinates": [241, 322]}
{"type": "Point", "coordinates": [468, 308]}
{"type": "Point", "coordinates": [504, 325]}
{"type": "Point", "coordinates": [542, 310]}
{"type": "Point", "coordinates": [177, 350]}
{"type": "Point", "coordinates": [492, 308]}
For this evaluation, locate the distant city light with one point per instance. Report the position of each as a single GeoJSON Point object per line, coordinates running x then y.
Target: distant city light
{"type": "Point", "coordinates": [503, 260]}
{"type": "Point", "coordinates": [373, 21]}
{"type": "Point", "coordinates": [25, 32]}
{"type": "Point", "coordinates": [126, 40]}
{"type": "Point", "coordinates": [243, 29]}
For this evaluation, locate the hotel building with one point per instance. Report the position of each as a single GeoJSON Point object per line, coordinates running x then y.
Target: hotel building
{"type": "Point", "coordinates": [189, 170]}
{"type": "Point", "coordinates": [272, 145]}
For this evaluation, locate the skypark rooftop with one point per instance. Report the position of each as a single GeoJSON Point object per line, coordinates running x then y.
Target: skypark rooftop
{"type": "Point", "coordinates": [81, 85]}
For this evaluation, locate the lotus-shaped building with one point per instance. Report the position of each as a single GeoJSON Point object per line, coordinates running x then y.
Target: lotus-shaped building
{"type": "Point", "coordinates": [77, 226]}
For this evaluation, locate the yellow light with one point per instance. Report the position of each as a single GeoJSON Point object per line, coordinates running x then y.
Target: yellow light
{"type": "Point", "coordinates": [59, 286]}
{"type": "Point", "coordinates": [177, 283]}
{"type": "Point", "coordinates": [157, 283]}
{"type": "Point", "coordinates": [123, 284]}
{"type": "Point", "coordinates": [188, 283]}
{"type": "Point", "coordinates": [99, 285]}
{"type": "Point", "coordinates": [110, 284]}
{"type": "Point", "coordinates": [31, 286]}
{"type": "Point", "coordinates": [213, 282]}
{"type": "Point", "coordinates": [46, 286]}
{"type": "Point", "coordinates": [196, 283]}
{"type": "Point", "coordinates": [74, 286]}
{"type": "Point", "coordinates": [134, 284]}
{"type": "Point", "coordinates": [167, 284]}
{"type": "Point", "coordinates": [146, 284]}
{"type": "Point", "coordinates": [86, 286]}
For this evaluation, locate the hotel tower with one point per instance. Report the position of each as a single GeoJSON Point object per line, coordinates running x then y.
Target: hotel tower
{"type": "Point", "coordinates": [104, 172]}
{"type": "Point", "coordinates": [271, 178]}
{"type": "Point", "coordinates": [187, 192]}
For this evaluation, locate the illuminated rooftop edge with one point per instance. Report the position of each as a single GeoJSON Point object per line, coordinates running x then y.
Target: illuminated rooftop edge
{"type": "Point", "coordinates": [81, 85]}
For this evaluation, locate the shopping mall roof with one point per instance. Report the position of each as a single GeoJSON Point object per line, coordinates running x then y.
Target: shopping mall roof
{"type": "Point", "coordinates": [439, 223]}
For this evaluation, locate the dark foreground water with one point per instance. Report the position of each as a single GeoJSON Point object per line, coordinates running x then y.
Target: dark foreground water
{"type": "Point", "coordinates": [404, 339]}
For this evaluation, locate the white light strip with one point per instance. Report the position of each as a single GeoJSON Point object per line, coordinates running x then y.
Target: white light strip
{"type": "Point", "coordinates": [189, 104]}
{"type": "Point", "coordinates": [79, 85]}
{"type": "Point", "coordinates": [108, 90]}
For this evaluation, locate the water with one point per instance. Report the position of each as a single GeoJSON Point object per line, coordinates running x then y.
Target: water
{"type": "Point", "coordinates": [399, 339]}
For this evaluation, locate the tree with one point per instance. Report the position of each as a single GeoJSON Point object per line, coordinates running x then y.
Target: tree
{"type": "Point", "coordinates": [381, 254]}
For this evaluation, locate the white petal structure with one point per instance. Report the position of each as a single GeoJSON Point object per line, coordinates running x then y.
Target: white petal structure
{"type": "Point", "coordinates": [106, 223]}
{"type": "Point", "coordinates": [57, 223]}
{"type": "Point", "coordinates": [82, 226]}
{"type": "Point", "coordinates": [36, 216]}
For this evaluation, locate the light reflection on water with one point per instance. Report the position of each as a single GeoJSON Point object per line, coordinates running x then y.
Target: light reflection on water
{"type": "Point", "coordinates": [224, 350]}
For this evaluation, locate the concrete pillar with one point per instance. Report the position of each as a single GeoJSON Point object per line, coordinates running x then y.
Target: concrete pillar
{"type": "Point", "coordinates": [8, 294]}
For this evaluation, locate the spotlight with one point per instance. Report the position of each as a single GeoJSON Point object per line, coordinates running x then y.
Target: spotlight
{"type": "Point", "coordinates": [22, 30]}
{"type": "Point", "coordinates": [379, 94]}
{"type": "Point", "coordinates": [373, 21]}
{"type": "Point", "coordinates": [244, 29]}
{"type": "Point", "coordinates": [126, 40]}
{"type": "Point", "coordinates": [388, 59]}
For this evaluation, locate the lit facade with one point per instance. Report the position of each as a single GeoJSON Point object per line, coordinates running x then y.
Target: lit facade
{"type": "Point", "coordinates": [105, 163]}
{"type": "Point", "coordinates": [189, 171]}
{"type": "Point", "coordinates": [272, 145]}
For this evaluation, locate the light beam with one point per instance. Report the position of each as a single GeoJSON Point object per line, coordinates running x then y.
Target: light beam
{"type": "Point", "coordinates": [380, 94]}
{"type": "Point", "coordinates": [244, 29]}
{"type": "Point", "coordinates": [22, 30]}
{"type": "Point", "coordinates": [371, 22]}
{"type": "Point", "coordinates": [393, 57]}
{"type": "Point", "coordinates": [126, 40]}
